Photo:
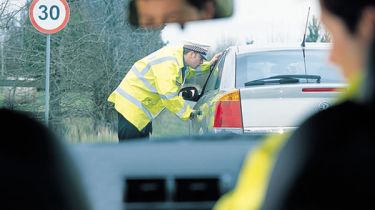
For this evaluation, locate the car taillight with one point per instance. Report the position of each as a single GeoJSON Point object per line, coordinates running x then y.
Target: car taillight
{"type": "Point", "coordinates": [228, 111]}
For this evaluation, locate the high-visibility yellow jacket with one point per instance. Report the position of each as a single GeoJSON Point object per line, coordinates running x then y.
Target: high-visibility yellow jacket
{"type": "Point", "coordinates": [252, 182]}
{"type": "Point", "coordinates": [152, 84]}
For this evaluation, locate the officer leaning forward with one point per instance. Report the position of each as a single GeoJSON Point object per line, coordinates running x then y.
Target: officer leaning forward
{"type": "Point", "coordinates": [153, 83]}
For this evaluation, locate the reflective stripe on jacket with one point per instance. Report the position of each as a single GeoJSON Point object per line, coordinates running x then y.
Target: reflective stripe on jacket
{"type": "Point", "coordinates": [151, 85]}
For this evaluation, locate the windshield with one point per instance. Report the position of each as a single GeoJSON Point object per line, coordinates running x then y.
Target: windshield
{"type": "Point", "coordinates": [96, 48]}
{"type": "Point", "coordinates": [254, 66]}
{"type": "Point", "coordinates": [154, 100]}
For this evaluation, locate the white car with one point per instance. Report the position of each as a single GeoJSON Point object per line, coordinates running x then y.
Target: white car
{"type": "Point", "coordinates": [265, 90]}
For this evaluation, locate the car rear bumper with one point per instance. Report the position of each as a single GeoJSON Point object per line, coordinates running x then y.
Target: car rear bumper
{"type": "Point", "coordinates": [228, 130]}
{"type": "Point", "coordinates": [267, 130]}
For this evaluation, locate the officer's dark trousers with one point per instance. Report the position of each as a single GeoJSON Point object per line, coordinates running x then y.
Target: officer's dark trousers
{"type": "Point", "coordinates": [127, 131]}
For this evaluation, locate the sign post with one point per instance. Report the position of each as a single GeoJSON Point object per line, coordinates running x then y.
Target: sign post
{"type": "Point", "coordinates": [49, 17]}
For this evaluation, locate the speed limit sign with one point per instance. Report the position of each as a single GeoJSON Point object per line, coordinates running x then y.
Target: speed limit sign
{"type": "Point", "coordinates": [49, 16]}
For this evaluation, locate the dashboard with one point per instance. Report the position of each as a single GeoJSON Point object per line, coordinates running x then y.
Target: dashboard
{"type": "Point", "coordinates": [171, 173]}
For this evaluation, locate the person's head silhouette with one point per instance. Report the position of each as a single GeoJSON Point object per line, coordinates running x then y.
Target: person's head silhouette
{"type": "Point", "coordinates": [36, 172]}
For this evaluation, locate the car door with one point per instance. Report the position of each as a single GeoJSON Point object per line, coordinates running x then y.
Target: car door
{"type": "Point", "coordinates": [206, 104]}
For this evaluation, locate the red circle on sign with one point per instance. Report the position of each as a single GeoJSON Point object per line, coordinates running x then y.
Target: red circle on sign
{"type": "Point", "coordinates": [46, 31]}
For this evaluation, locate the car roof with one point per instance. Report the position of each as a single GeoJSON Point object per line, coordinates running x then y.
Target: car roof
{"type": "Point", "coordinates": [241, 49]}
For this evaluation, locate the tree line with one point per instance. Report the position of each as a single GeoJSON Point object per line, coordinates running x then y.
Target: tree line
{"type": "Point", "coordinates": [89, 57]}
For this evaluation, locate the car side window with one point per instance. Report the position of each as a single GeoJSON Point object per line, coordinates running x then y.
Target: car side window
{"type": "Point", "coordinates": [213, 82]}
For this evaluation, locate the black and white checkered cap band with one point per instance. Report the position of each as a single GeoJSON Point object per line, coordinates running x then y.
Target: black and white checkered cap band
{"type": "Point", "coordinates": [196, 49]}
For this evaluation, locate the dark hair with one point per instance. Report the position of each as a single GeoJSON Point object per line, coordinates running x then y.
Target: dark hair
{"type": "Point", "coordinates": [36, 172]}
{"type": "Point", "coordinates": [371, 70]}
{"type": "Point", "coordinates": [350, 11]}
{"type": "Point", "coordinates": [368, 87]}
{"type": "Point", "coordinates": [199, 4]}
{"type": "Point", "coordinates": [132, 13]}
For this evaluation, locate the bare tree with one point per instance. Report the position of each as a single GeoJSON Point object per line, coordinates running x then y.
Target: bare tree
{"type": "Point", "coordinates": [326, 37]}
{"type": "Point", "coordinates": [316, 32]}
{"type": "Point", "coordinates": [8, 10]}
{"type": "Point", "coordinates": [88, 60]}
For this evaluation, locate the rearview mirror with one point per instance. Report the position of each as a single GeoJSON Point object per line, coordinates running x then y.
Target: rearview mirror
{"type": "Point", "coordinates": [155, 13]}
{"type": "Point", "coordinates": [189, 93]}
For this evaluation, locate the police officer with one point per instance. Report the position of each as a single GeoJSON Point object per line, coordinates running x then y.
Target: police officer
{"type": "Point", "coordinates": [153, 83]}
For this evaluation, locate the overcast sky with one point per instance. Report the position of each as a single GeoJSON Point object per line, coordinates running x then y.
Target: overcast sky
{"type": "Point", "coordinates": [264, 21]}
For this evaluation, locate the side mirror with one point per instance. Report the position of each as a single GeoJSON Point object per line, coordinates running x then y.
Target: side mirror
{"type": "Point", "coordinates": [189, 93]}
{"type": "Point", "coordinates": [155, 13]}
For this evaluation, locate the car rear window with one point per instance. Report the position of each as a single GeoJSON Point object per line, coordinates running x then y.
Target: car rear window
{"type": "Point", "coordinates": [253, 66]}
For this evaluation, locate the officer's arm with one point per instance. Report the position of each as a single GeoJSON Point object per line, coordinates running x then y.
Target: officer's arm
{"type": "Point", "coordinates": [204, 68]}
{"type": "Point", "coordinates": [166, 75]}
{"type": "Point", "coordinates": [200, 71]}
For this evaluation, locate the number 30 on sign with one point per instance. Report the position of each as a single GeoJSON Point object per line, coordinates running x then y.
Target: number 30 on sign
{"type": "Point", "coordinates": [49, 16]}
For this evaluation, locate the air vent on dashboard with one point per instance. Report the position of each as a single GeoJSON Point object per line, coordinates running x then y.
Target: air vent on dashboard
{"type": "Point", "coordinates": [196, 189]}
{"type": "Point", "coordinates": [145, 190]}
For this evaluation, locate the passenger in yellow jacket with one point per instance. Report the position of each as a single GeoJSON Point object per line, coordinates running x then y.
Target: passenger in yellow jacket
{"type": "Point", "coordinates": [152, 84]}
{"type": "Point", "coordinates": [350, 52]}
